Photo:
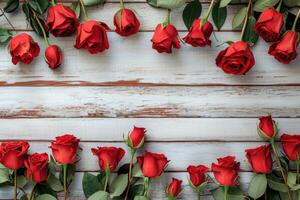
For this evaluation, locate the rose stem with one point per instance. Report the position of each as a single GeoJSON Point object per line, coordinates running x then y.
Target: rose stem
{"type": "Point", "coordinates": [15, 185]}
{"type": "Point", "coordinates": [65, 170]}
{"type": "Point", "coordinates": [146, 184]}
{"type": "Point", "coordinates": [53, 2]}
{"type": "Point", "coordinates": [42, 28]}
{"type": "Point", "coordinates": [107, 174]}
{"type": "Point", "coordinates": [132, 150]}
{"type": "Point", "coordinates": [211, 5]}
{"type": "Point", "coordinates": [279, 6]}
{"type": "Point", "coordinates": [246, 20]}
{"type": "Point", "coordinates": [280, 167]}
{"type": "Point", "coordinates": [226, 188]}
{"type": "Point", "coordinates": [122, 3]}
{"type": "Point", "coordinates": [295, 22]}
{"type": "Point", "coordinates": [32, 192]}
{"type": "Point", "coordinates": [199, 195]}
{"type": "Point", "coordinates": [168, 18]}
{"type": "Point", "coordinates": [85, 16]}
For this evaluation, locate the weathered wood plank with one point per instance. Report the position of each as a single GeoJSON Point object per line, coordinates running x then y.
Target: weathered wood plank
{"type": "Point", "coordinates": [163, 129]}
{"type": "Point", "coordinates": [33, 102]}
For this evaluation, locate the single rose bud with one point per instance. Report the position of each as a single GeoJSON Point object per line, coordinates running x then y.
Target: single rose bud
{"type": "Point", "coordinates": [285, 50]}
{"type": "Point", "coordinates": [260, 159]}
{"type": "Point", "coordinates": [23, 49]}
{"type": "Point", "coordinates": [174, 188]}
{"type": "Point", "coordinates": [267, 128]}
{"type": "Point", "coordinates": [126, 22]}
{"type": "Point", "coordinates": [136, 137]}
{"type": "Point", "coordinates": [53, 56]}
{"type": "Point", "coordinates": [108, 157]}
{"type": "Point", "coordinates": [197, 175]}
{"type": "Point", "coordinates": [269, 25]}
{"type": "Point", "coordinates": [164, 38]}
{"type": "Point", "coordinates": [37, 167]}
{"type": "Point", "coordinates": [92, 36]}
{"type": "Point", "coordinates": [291, 146]}
{"type": "Point", "coordinates": [61, 20]}
{"type": "Point", "coordinates": [226, 171]}
{"type": "Point", "coordinates": [199, 35]}
{"type": "Point", "coordinates": [236, 59]}
{"type": "Point", "coordinates": [152, 164]}
{"type": "Point", "coordinates": [64, 149]}
{"type": "Point", "coordinates": [13, 154]}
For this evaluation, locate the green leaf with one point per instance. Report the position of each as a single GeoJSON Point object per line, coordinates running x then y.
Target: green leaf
{"type": "Point", "coordinates": [219, 16]}
{"type": "Point", "coordinates": [93, 2]}
{"type": "Point", "coordinates": [191, 11]}
{"type": "Point", "coordinates": [75, 6]}
{"type": "Point", "coordinates": [39, 6]}
{"type": "Point", "coordinates": [140, 198]}
{"type": "Point", "coordinates": [119, 185]}
{"type": "Point", "coordinates": [276, 184]}
{"type": "Point", "coordinates": [4, 175]}
{"type": "Point", "coordinates": [239, 18]}
{"type": "Point", "coordinates": [291, 3]}
{"type": "Point", "coordinates": [233, 194]}
{"type": "Point", "coordinates": [54, 183]}
{"type": "Point", "coordinates": [21, 181]}
{"type": "Point", "coordinates": [260, 5]}
{"type": "Point", "coordinates": [250, 36]}
{"type": "Point", "coordinates": [136, 171]}
{"type": "Point", "coordinates": [224, 3]}
{"type": "Point", "coordinates": [291, 179]}
{"type": "Point", "coordinates": [100, 195]}
{"type": "Point", "coordinates": [136, 190]}
{"type": "Point", "coordinates": [45, 197]}
{"type": "Point", "coordinates": [11, 6]}
{"type": "Point", "coordinates": [167, 4]}
{"type": "Point", "coordinates": [90, 184]}
{"type": "Point", "coordinates": [52, 165]}
{"type": "Point", "coordinates": [257, 186]}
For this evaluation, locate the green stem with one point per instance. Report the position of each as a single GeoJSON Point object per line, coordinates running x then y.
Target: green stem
{"type": "Point", "coordinates": [15, 185]}
{"type": "Point", "coordinates": [65, 172]}
{"type": "Point", "coordinates": [226, 188]}
{"type": "Point", "coordinates": [122, 3]}
{"type": "Point", "coordinates": [132, 151]}
{"type": "Point", "coordinates": [107, 175]}
{"type": "Point", "coordinates": [32, 192]}
{"type": "Point", "coordinates": [85, 16]}
{"type": "Point", "coordinates": [42, 28]}
{"type": "Point", "coordinates": [280, 167]}
{"type": "Point", "coordinates": [211, 6]}
{"type": "Point", "coordinates": [53, 2]}
{"type": "Point", "coordinates": [279, 6]}
{"type": "Point", "coordinates": [199, 195]}
{"type": "Point", "coordinates": [295, 22]}
{"type": "Point", "coordinates": [246, 19]}
{"type": "Point", "coordinates": [168, 18]}
{"type": "Point", "coordinates": [146, 184]}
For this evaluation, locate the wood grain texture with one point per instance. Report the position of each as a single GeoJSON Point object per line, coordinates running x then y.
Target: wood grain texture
{"type": "Point", "coordinates": [162, 129]}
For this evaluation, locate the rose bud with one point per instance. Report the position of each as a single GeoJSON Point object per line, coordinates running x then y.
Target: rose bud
{"type": "Point", "coordinates": [291, 146]}
{"type": "Point", "coordinates": [269, 25]}
{"type": "Point", "coordinates": [198, 35]}
{"type": "Point", "coordinates": [126, 22]}
{"type": "Point", "coordinates": [152, 164]}
{"type": "Point", "coordinates": [260, 159]}
{"type": "Point", "coordinates": [108, 157]}
{"type": "Point", "coordinates": [37, 167]}
{"type": "Point", "coordinates": [165, 38]}
{"type": "Point", "coordinates": [174, 188]}
{"type": "Point", "coordinates": [92, 36]}
{"type": "Point", "coordinates": [13, 154]}
{"type": "Point", "coordinates": [226, 171]}
{"type": "Point", "coordinates": [64, 149]}
{"type": "Point", "coordinates": [61, 20]}
{"type": "Point", "coordinates": [285, 50]}
{"type": "Point", "coordinates": [136, 138]}
{"type": "Point", "coordinates": [23, 49]}
{"type": "Point", "coordinates": [53, 56]}
{"type": "Point", "coordinates": [197, 175]}
{"type": "Point", "coordinates": [267, 128]}
{"type": "Point", "coordinates": [236, 59]}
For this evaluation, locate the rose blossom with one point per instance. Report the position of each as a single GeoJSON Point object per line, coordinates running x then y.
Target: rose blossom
{"type": "Point", "coordinates": [267, 127]}
{"type": "Point", "coordinates": [126, 22]}
{"type": "Point", "coordinates": [137, 137]}
{"type": "Point", "coordinates": [37, 167]}
{"type": "Point", "coordinates": [53, 56]}
{"type": "Point", "coordinates": [174, 188]}
{"type": "Point", "coordinates": [260, 159]}
{"type": "Point", "coordinates": [291, 146]}
{"type": "Point", "coordinates": [197, 174]}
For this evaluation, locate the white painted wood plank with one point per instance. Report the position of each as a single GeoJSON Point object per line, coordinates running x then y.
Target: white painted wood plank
{"type": "Point", "coordinates": [157, 187]}
{"type": "Point", "coordinates": [132, 61]}
{"type": "Point", "coordinates": [149, 16]}
{"type": "Point", "coordinates": [162, 129]}
{"type": "Point", "coordinates": [33, 102]}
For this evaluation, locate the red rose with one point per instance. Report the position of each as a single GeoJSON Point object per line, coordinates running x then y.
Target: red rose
{"type": "Point", "coordinates": [267, 127]}
{"type": "Point", "coordinates": [152, 164]}
{"type": "Point", "coordinates": [61, 20]}
{"type": "Point", "coordinates": [23, 49]}
{"type": "Point", "coordinates": [64, 149]}
{"type": "Point", "coordinates": [53, 56]}
{"type": "Point", "coordinates": [269, 25]}
{"type": "Point", "coordinates": [126, 22]}
{"type": "Point", "coordinates": [291, 146]}
{"type": "Point", "coordinates": [236, 59]}
{"type": "Point", "coordinates": [37, 167]}
{"type": "Point", "coordinates": [174, 188]}
{"type": "Point", "coordinates": [108, 157]}
{"type": "Point", "coordinates": [197, 174]}
{"type": "Point", "coordinates": [260, 159]}
{"type": "Point", "coordinates": [13, 154]}
{"type": "Point", "coordinates": [198, 35]}
{"type": "Point", "coordinates": [137, 137]}
{"type": "Point", "coordinates": [164, 38]}
{"type": "Point", "coordinates": [285, 50]}
{"type": "Point", "coordinates": [92, 36]}
{"type": "Point", "coordinates": [226, 171]}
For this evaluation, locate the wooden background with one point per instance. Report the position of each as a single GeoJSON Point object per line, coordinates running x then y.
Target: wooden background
{"type": "Point", "coordinates": [194, 113]}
